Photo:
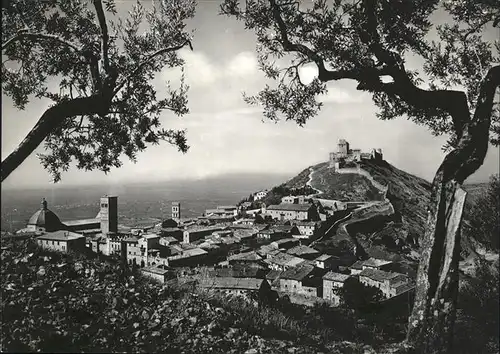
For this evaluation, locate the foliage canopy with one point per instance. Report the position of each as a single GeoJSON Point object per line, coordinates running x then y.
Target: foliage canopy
{"type": "Point", "coordinates": [98, 71]}
{"type": "Point", "coordinates": [370, 42]}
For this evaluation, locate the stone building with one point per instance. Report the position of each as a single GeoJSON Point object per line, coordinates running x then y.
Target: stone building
{"type": "Point", "coordinates": [283, 261]}
{"type": "Point", "coordinates": [291, 211]}
{"type": "Point", "coordinates": [188, 258]}
{"type": "Point", "coordinates": [307, 228]}
{"type": "Point", "coordinates": [62, 241]}
{"type": "Point", "coordinates": [332, 282]}
{"type": "Point", "coordinates": [105, 222]}
{"type": "Point", "coordinates": [371, 263]}
{"type": "Point", "coordinates": [44, 220]}
{"type": "Point", "coordinates": [293, 199]}
{"type": "Point", "coordinates": [176, 211]}
{"type": "Point", "coordinates": [161, 273]}
{"type": "Point", "coordinates": [109, 214]}
{"type": "Point", "coordinates": [300, 280]}
{"type": "Point", "coordinates": [391, 284]}
{"type": "Point", "coordinates": [345, 154]}
{"type": "Point", "coordinates": [260, 195]}
{"type": "Point", "coordinates": [285, 243]}
{"type": "Point", "coordinates": [304, 252]}
{"type": "Point", "coordinates": [326, 261]}
{"type": "Point", "coordinates": [195, 232]}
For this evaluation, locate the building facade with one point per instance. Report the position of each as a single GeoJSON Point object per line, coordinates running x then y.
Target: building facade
{"type": "Point", "coordinates": [290, 211]}
{"type": "Point", "coordinates": [387, 282]}
{"type": "Point", "coordinates": [176, 211]}
{"type": "Point", "coordinates": [332, 283]}
{"type": "Point", "coordinates": [109, 214]}
{"type": "Point", "coordinates": [62, 241]}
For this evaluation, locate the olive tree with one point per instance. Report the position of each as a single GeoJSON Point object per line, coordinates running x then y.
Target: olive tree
{"type": "Point", "coordinates": [98, 71]}
{"type": "Point", "coordinates": [369, 41]}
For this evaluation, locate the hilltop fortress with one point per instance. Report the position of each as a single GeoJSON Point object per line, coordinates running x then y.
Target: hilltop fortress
{"type": "Point", "coordinates": [344, 154]}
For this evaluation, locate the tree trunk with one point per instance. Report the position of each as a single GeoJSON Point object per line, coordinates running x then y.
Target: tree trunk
{"type": "Point", "coordinates": [50, 119]}
{"type": "Point", "coordinates": [430, 328]}
{"type": "Point", "coordinates": [431, 323]}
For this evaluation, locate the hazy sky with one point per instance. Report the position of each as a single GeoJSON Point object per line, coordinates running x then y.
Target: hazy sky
{"type": "Point", "coordinates": [226, 135]}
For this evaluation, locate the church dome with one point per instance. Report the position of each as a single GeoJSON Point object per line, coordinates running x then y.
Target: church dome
{"type": "Point", "coordinates": [169, 223]}
{"type": "Point", "coordinates": [45, 218]}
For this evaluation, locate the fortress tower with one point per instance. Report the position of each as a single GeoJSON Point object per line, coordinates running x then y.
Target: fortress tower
{"type": "Point", "coordinates": [342, 149]}
{"type": "Point", "coordinates": [109, 214]}
{"type": "Point", "coordinates": [176, 211]}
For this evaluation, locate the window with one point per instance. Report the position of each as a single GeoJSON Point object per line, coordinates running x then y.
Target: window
{"type": "Point", "coordinates": [63, 248]}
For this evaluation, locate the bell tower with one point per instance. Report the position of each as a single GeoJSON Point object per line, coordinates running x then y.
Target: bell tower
{"type": "Point", "coordinates": [109, 214]}
{"type": "Point", "coordinates": [176, 211]}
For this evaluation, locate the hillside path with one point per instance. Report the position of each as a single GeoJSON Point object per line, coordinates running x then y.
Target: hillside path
{"type": "Point", "coordinates": [311, 173]}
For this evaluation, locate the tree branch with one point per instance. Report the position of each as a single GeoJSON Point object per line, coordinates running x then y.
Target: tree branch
{"type": "Point", "coordinates": [105, 36]}
{"type": "Point", "coordinates": [323, 73]}
{"type": "Point", "coordinates": [147, 61]}
{"type": "Point", "coordinates": [453, 102]}
{"type": "Point", "coordinates": [49, 120]}
{"type": "Point", "coordinates": [487, 90]}
{"type": "Point", "coordinates": [24, 33]}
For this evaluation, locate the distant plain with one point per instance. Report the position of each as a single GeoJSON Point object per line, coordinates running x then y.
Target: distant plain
{"type": "Point", "coordinates": [138, 203]}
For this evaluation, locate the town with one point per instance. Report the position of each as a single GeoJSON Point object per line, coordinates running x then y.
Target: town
{"type": "Point", "coordinates": [238, 249]}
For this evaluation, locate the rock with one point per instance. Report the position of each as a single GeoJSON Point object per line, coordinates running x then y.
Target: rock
{"type": "Point", "coordinates": [251, 351]}
{"type": "Point", "coordinates": [145, 315]}
{"type": "Point", "coordinates": [41, 272]}
{"type": "Point", "coordinates": [136, 324]}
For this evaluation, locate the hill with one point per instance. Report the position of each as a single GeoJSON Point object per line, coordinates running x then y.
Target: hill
{"type": "Point", "coordinates": [389, 236]}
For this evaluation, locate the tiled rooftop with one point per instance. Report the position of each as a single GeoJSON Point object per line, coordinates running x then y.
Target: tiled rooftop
{"type": "Point", "coordinates": [273, 274]}
{"type": "Point", "coordinates": [284, 259]}
{"type": "Point", "coordinates": [248, 256]}
{"type": "Point", "coordinates": [357, 265]}
{"type": "Point", "coordinates": [155, 270]}
{"type": "Point", "coordinates": [323, 257]}
{"type": "Point", "coordinates": [302, 250]}
{"type": "Point", "coordinates": [231, 283]}
{"type": "Point", "coordinates": [60, 235]}
{"type": "Point", "coordinates": [297, 273]}
{"type": "Point", "coordinates": [380, 275]}
{"type": "Point", "coordinates": [290, 207]}
{"type": "Point", "coordinates": [188, 253]}
{"type": "Point", "coordinates": [338, 277]}
{"type": "Point", "coordinates": [81, 222]}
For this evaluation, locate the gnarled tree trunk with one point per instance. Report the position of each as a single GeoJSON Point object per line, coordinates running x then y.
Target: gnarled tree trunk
{"type": "Point", "coordinates": [431, 323]}
{"type": "Point", "coordinates": [433, 316]}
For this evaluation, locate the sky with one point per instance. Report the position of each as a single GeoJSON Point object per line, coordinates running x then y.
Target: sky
{"type": "Point", "coordinates": [228, 136]}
